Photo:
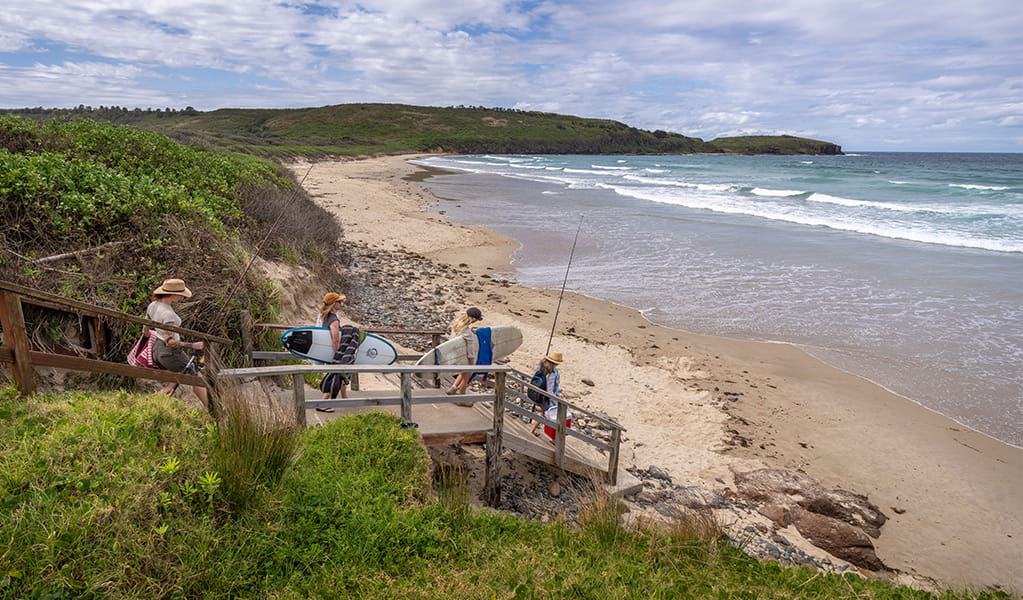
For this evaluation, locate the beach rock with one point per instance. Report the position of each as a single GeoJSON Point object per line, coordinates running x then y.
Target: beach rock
{"type": "Point", "coordinates": [851, 508]}
{"type": "Point", "coordinates": [698, 497]}
{"type": "Point", "coordinates": [777, 513]}
{"type": "Point", "coordinates": [836, 537]}
{"type": "Point", "coordinates": [785, 488]}
{"type": "Point", "coordinates": [658, 473]}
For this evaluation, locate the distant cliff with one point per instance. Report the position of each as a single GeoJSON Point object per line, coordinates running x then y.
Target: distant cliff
{"type": "Point", "coordinates": [774, 144]}
{"type": "Point", "coordinates": [361, 129]}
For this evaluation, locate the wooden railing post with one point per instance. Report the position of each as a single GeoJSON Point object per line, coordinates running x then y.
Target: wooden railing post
{"type": "Point", "coordinates": [355, 382]}
{"type": "Point", "coordinates": [13, 320]}
{"type": "Point", "coordinates": [612, 459]}
{"type": "Point", "coordinates": [559, 437]}
{"type": "Point", "coordinates": [298, 382]}
{"type": "Point", "coordinates": [406, 397]}
{"type": "Point", "coordinates": [492, 484]}
{"type": "Point", "coordinates": [247, 345]}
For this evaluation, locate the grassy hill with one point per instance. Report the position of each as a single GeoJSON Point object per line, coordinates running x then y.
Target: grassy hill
{"type": "Point", "coordinates": [117, 496]}
{"type": "Point", "coordinates": [361, 129]}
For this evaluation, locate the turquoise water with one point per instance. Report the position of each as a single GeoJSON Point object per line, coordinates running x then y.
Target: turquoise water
{"type": "Point", "coordinates": [904, 268]}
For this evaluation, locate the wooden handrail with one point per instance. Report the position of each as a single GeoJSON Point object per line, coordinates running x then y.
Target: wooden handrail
{"type": "Point", "coordinates": [77, 306]}
{"type": "Point", "coordinates": [366, 329]}
{"type": "Point", "coordinates": [335, 368]}
{"type": "Point", "coordinates": [19, 353]}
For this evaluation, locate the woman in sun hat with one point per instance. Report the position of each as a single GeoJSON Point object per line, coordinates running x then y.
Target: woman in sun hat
{"type": "Point", "coordinates": [548, 377]}
{"type": "Point", "coordinates": [332, 384]}
{"type": "Point", "coordinates": [462, 327]}
{"type": "Point", "coordinates": [168, 349]}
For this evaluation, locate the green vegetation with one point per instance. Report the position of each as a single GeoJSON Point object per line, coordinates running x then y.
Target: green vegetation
{"type": "Point", "coordinates": [364, 129]}
{"type": "Point", "coordinates": [774, 144]}
{"type": "Point", "coordinates": [121, 496]}
{"type": "Point", "coordinates": [139, 207]}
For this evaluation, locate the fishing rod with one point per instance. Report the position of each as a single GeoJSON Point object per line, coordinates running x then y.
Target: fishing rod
{"type": "Point", "coordinates": [563, 284]}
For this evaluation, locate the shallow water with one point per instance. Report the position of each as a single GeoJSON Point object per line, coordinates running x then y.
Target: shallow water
{"type": "Point", "coordinates": [909, 272]}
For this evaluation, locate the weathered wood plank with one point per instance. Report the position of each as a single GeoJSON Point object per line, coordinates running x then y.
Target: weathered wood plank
{"type": "Point", "coordinates": [16, 338]}
{"type": "Point", "coordinates": [78, 363]}
{"type": "Point", "coordinates": [454, 438]}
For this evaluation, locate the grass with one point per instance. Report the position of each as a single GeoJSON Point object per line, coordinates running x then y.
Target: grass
{"type": "Point", "coordinates": [127, 496]}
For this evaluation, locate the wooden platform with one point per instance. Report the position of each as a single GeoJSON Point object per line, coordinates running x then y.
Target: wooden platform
{"type": "Point", "coordinates": [448, 424]}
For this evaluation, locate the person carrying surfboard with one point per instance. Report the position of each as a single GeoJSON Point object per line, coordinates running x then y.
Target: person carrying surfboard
{"type": "Point", "coordinates": [332, 383]}
{"type": "Point", "coordinates": [461, 327]}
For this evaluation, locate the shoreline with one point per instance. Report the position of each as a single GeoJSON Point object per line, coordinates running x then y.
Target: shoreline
{"type": "Point", "coordinates": [703, 407]}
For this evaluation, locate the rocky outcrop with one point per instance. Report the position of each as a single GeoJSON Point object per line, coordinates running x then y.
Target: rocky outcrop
{"type": "Point", "coordinates": [837, 521]}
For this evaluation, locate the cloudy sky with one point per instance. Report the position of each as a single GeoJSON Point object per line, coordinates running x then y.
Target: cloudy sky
{"type": "Point", "coordinates": [924, 75]}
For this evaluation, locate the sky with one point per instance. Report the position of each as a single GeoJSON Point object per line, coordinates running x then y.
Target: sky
{"type": "Point", "coordinates": [891, 75]}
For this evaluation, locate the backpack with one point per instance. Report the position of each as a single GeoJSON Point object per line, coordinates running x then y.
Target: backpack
{"type": "Point", "coordinates": [539, 380]}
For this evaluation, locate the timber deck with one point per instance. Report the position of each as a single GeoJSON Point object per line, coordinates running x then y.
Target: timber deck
{"type": "Point", "coordinates": [448, 424]}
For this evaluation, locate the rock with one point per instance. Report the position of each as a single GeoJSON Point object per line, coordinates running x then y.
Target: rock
{"type": "Point", "coordinates": [658, 473]}
{"type": "Point", "coordinates": [588, 382]}
{"type": "Point", "coordinates": [851, 508]}
{"type": "Point", "coordinates": [554, 489]}
{"type": "Point", "coordinates": [698, 497]}
{"type": "Point", "coordinates": [647, 496]}
{"type": "Point", "coordinates": [837, 538]}
{"type": "Point", "coordinates": [777, 513]}
{"type": "Point", "coordinates": [779, 486]}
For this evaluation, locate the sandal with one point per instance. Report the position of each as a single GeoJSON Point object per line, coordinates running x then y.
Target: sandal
{"type": "Point", "coordinates": [326, 410]}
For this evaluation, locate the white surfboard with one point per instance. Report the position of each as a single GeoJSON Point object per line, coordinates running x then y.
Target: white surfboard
{"type": "Point", "coordinates": [503, 341]}
{"type": "Point", "coordinates": [314, 343]}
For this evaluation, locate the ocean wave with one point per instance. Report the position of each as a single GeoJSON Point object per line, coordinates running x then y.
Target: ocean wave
{"type": "Point", "coordinates": [611, 168]}
{"type": "Point", "coordinates": [972, 186]}
{"type": "Point", "coordinates": [580, 171]}
{"type": "Point", "coordinates": [793, 214]}
{"type": "Point", "coordinates": [775, 193]}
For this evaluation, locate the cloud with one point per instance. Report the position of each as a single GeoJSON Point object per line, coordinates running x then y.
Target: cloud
{"type": "Point", "coordinates": [854, 72]}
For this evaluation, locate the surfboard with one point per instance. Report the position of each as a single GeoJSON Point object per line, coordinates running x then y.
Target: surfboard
{"type": "Point", "coordinates": [314, 343]}
{"type": "Point", "coordinates": [503, 341]}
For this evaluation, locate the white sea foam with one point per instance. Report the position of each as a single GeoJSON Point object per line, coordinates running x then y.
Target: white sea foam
{"type": "Point", "coordinates": [609, 168]}
{"type": "Point", "coordinates": [775, 193]}
{"type": "Point", "coordinates": [731, 204]}
{"type": "Point", "coordinates": [582, 171]}
{"type": "Point", "coordinates": [970, 186]}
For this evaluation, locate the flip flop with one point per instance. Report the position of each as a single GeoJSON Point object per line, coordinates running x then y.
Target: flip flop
{"type": "Point", "coordinates": [327, 410]}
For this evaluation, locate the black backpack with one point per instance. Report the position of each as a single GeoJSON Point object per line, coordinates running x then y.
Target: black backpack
{"type": "Point", "coordinates": [539, 380]}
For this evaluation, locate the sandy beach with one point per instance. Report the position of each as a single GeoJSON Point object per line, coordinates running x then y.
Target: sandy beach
{"type": "Point", "coordinates": [704, 408]}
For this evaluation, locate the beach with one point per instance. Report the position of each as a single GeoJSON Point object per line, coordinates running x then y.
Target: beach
{"type": "Point", "coordinates": [703, 408]}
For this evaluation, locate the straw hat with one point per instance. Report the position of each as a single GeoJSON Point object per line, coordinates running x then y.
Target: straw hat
{"type": "Point", "coordinates": [331, 298]}
{"type": "Point", "coordinates": [555, 357]}
{"type": "Point", "coordinates": [173, 286]}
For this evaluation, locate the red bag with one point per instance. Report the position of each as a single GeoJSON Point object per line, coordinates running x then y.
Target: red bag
{"type": "Point", "coordinates": [141, 354]}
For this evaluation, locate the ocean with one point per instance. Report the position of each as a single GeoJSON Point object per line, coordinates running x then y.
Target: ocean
{"type": "Point", "coordinates": [903, 268]}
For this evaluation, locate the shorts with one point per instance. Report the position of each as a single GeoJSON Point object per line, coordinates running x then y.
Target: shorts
{"type": "Point", "coordinates": [171, 359]}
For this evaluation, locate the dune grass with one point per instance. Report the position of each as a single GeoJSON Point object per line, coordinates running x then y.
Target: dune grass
{"type": "Point", "coordinates": [113, 496]}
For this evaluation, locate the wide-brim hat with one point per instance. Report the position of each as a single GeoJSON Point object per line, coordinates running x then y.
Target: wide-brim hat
{"type": "Point", "coordinates": [555, 357]}
{"type": "Point", "coordinates": [332, 297]}
{"type": "Point", "coordinates": [173, 286]}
